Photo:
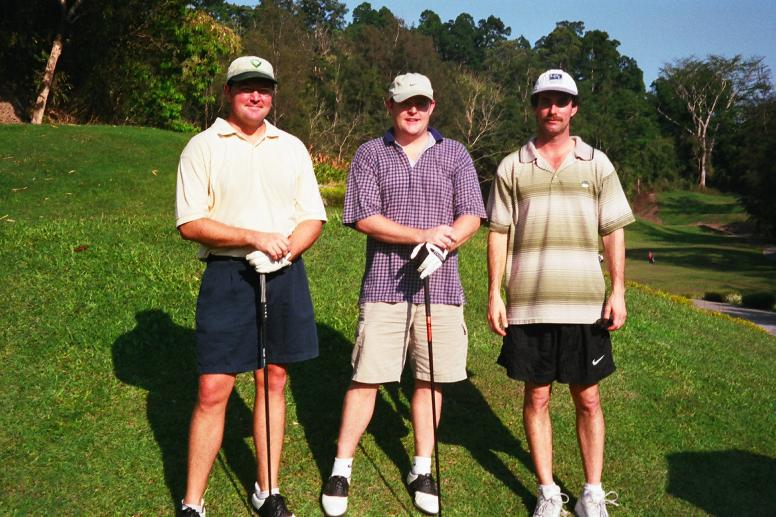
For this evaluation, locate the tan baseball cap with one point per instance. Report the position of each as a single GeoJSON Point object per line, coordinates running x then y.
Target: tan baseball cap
{"type": "Point", "coordinates": [250, 67]}
{"type": "Point", "coordinates": [409, 85]}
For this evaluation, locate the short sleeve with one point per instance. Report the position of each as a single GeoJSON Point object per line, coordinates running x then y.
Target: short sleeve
{"type": "Point", "coordinates": [614, 212]}
{"type": "Point", "coordinates": [468, 196]}
{"type": "Point", "coordinates": [362, 193]}
{"type": "Point", "coordinates": [192, 193]}
{"type": "Point", "coordinates": [502, 212]}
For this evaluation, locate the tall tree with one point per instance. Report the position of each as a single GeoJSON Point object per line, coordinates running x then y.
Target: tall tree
{"type": "Point", "coordinates": [708, 90]}
{"type": "Point", "coordinates": [69, 11]}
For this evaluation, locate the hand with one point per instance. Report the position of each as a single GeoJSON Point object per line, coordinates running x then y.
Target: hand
{"type": "Point", "coordinates": [615, 311]}
{"type": "Point", "coordinates": [274, 245]}
{"type": "Point", "coordinates": [428, 258]}
{"type": "Point", "coordinates": [263, 264]}
{"type": "Point", "coordinates": [497, 315]}
{"type": "Point", "coordinates": [441, 236]}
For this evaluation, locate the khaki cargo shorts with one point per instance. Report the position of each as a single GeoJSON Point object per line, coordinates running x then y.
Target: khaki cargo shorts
{"type": "Point", "coordinates": [390, 333]}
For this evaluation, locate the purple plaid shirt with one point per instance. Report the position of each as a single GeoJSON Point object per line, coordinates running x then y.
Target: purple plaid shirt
{"type": "Point", "coordinates": [441, 187]}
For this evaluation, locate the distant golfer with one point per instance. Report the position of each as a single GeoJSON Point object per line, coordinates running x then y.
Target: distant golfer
{"type": "Point", "coordinates": [410, 191]}
{"type": "Point", "coordinates": [247, 189]}
{"type": "Point", "coordinates": [550, 202]}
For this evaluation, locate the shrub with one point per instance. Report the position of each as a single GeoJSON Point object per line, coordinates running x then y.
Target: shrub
{"type": "Point", "coordinates": [763, 301]}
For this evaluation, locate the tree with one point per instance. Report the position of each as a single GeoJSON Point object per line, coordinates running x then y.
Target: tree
{"type": "Point", "coordinates": [68, 14]}
{"type": "Point", "coordinates": [708, 90]}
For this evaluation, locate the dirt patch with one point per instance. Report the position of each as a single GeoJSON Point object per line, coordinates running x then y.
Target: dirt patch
{"type": "Point", "coordinates": [645, 207]}
{"type": "Point", "coordinates": [743, 229]}
{"type": "Point", "coordinates": [8, 113]}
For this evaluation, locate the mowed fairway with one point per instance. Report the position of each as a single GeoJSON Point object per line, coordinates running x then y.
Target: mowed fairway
{"type": "Point", "coordinates": [97, 373]}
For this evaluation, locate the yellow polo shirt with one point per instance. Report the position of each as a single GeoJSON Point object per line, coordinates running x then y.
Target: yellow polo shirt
{"type": "Point", "coordinates": [268, 186]}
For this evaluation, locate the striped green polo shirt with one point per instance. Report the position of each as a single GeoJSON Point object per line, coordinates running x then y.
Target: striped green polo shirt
{"type": "Point", "coordinates": [554, 219]}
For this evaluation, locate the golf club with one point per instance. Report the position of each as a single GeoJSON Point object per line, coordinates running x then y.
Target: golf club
{"type": "Point", "coordinates": [263, 308]}
{"type": "Point", "coordinates": [427, 298]}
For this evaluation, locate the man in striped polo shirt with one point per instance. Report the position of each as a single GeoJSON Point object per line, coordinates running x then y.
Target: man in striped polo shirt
{"type": "Point", "coordinates": [409, 188]}
{"type": "Point", "coordinates": [550, 202]}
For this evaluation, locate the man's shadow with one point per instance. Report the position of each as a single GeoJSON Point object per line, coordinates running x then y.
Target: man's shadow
{"type": "Point", "coordinates": [725, 483]}
{"type": "Point", "coordinates": [319, 387]}
{"type": "Point", "coordinates": [159, 356]}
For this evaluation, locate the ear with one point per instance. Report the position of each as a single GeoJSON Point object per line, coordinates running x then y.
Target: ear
{"type": "Point", "coordinates": [431, 107]}
{"type": "Point", "coordinates": [388, 103]}
{"type": "Point", "coordinates": [574, 110]}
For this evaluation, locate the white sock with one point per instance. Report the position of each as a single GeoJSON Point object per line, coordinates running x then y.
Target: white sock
{"type": "Point", "coordinates": [549, 490]}
{"type": "Point", "coordinates": [196, 507]}
{"type": "Point", "coordinates": [421, 465]}
{"type": "Point", "coordinates": [263, 494]}
{"type": "Point", "coordinates": [593, 489]}
{"type": "Point", "coordinates": [342, 467]}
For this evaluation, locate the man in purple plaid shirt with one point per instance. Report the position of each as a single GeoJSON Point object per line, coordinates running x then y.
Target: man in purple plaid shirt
{"type": "Point", "coordinates": [408, 189]}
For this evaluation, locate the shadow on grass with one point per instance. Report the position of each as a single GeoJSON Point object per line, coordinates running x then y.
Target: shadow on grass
{"type": "Point", "coordinates": [467, 420]}
{"type": "Point", "coordinates": [724, 483]}
{"type": "Point", "coordinates": [159, 356]}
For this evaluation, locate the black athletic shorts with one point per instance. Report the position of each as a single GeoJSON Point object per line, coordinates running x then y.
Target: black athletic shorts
{"type": "Point", "coordinates": [229, 320]}
{"type": "Point", "coordinates": [567, 353]}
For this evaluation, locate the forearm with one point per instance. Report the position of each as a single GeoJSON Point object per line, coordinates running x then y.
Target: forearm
{"type": "Point", "coordinates": [497, 259]}
{"type": "Point", "coordinates": [214, 234]}
{"type": "Point", "coordinates": [383, 229]}
{"type": "Point", "coordinates": [304, 235]}
{"type": "Point", "coordinates": [614, 249]}
{"type": "Point", "coordinates": [463, 228]}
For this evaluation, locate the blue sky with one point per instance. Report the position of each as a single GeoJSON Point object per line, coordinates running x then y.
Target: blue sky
{"type": "Point", "coordinates": [652, 32]}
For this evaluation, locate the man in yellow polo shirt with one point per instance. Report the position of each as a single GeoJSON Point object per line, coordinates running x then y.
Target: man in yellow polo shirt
{"type": "Point", "coordinates": [550, 202]}
{"type": "Point", "coordinates": [247, 194]}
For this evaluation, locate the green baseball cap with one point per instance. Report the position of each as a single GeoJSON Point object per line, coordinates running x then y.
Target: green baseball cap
{"type": "Point", "coordinates": [250, 67]}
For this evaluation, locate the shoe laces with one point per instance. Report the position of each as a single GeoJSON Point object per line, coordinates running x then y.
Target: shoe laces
{"type": "Point", "coordinates": [609, 498]}
{"type": "Point", "coordinates": [424, 483]}
{"type": "Point", "coordinates": [337, 485]}
{"type": "Point", "coordinates": [549, 503]}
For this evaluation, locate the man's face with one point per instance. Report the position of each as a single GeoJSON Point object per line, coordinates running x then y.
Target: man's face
{"type": "Point", "coordinates": [251, 101]}
{"type": "Point", "coordinates": [554, 111]}
{"type": "Point", "coordinates": [410, 117]}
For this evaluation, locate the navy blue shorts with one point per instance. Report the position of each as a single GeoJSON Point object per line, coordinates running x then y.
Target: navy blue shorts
{"type": "Point", "coordinates": [229, 320]}
{"type": "Point", "coordinates": [567, 353]}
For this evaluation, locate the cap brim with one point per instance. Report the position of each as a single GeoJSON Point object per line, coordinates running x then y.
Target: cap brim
{"type": "Point", "coordinates": [251, 75]}
{"type": "Point", "coordinates": [556, 89]}
{"type": "Point", "coordinates": [401, 97]}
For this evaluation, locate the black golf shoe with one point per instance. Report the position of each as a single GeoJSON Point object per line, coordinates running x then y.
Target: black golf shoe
{"type": "Point", "coordinates": [423, 490]}
{"type": "Point", "coordinates": [273, 506]}
{"type": "Point", "coordinates": [334, 499]}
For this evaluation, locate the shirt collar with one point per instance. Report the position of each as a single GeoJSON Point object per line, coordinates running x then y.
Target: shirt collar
{"type": "Point", "coordinates": [582, 151]}
{"type": "Point", "coordinates": [224, 128]}
{"type": "Point", "coordinates": [389, 138]}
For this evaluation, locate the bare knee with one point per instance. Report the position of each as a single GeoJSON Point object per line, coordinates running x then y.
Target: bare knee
{"type": "Point", "coordinates": [277, 377]}
{"type": "Point", "coordinates": [214, 391]}
{"type": "Point", "coordinates": [587, 399]}
{"type": "Point", "coordinates": [537, 398]}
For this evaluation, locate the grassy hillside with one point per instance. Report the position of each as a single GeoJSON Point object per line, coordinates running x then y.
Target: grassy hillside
{"type": "Point", "coordinates": [693, 254]}
{"type": "Point", "coordinates": [97, 371]}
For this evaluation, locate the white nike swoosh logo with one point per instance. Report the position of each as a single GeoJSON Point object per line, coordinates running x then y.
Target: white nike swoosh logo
{"type": "Point", "coordinates": [596, 361]}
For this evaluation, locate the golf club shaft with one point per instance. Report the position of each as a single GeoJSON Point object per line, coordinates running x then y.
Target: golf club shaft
{"type": "Point", "coordinates": [265, 365]}
{"type": "Point", "coordinates": [427, 298]}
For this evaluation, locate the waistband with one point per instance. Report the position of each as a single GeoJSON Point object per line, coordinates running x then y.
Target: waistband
{"type": "Point", "coordinates": [218, 258]}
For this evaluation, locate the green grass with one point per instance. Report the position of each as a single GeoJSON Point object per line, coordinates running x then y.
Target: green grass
{"type": "Point", "coordinates": [98, 379]}
{"type": "Point", "coordinates": [692, 259]}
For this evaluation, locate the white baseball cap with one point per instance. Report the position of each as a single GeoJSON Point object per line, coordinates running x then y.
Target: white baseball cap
{"type": "Point", "coordinates": [250, 67]}
{"type": "Point", "coordinates": [409, 85]}
{"type": "Point", "coordinates": [555, 81]}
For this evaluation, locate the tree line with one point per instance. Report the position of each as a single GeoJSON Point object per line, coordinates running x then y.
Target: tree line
{"type": "Point", "coordinates": [161, 63]}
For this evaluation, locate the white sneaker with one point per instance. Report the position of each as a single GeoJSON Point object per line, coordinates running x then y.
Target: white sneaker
{"type": "Point", "coordinates": [423, 489]}
{"type": "Point", "coordinates": [552, 506]}
{"type": "Point", "coordinates": [594, 505]}
{"type": "Point", "coordinates": [334, 498]}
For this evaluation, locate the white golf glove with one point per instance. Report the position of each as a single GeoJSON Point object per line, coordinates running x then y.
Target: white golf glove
{"type": "Point", "coordinates": [263, 264]}
{"type": "Point", "coordinates": [428, 258]}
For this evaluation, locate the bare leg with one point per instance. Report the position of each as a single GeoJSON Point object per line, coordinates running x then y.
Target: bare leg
{"type": "Point", "coordinates": [357, 410]}
{"type": "Point", "coordinates": [590, 429]}
{"type": "Point", "coordinates": [421, 416]}
{"type": "Point", "coordinates": [538, 429]}
{"type": "Point", "coordinates": [206, 431]}
{"type": "Point", "coordinates": [277, 422]}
